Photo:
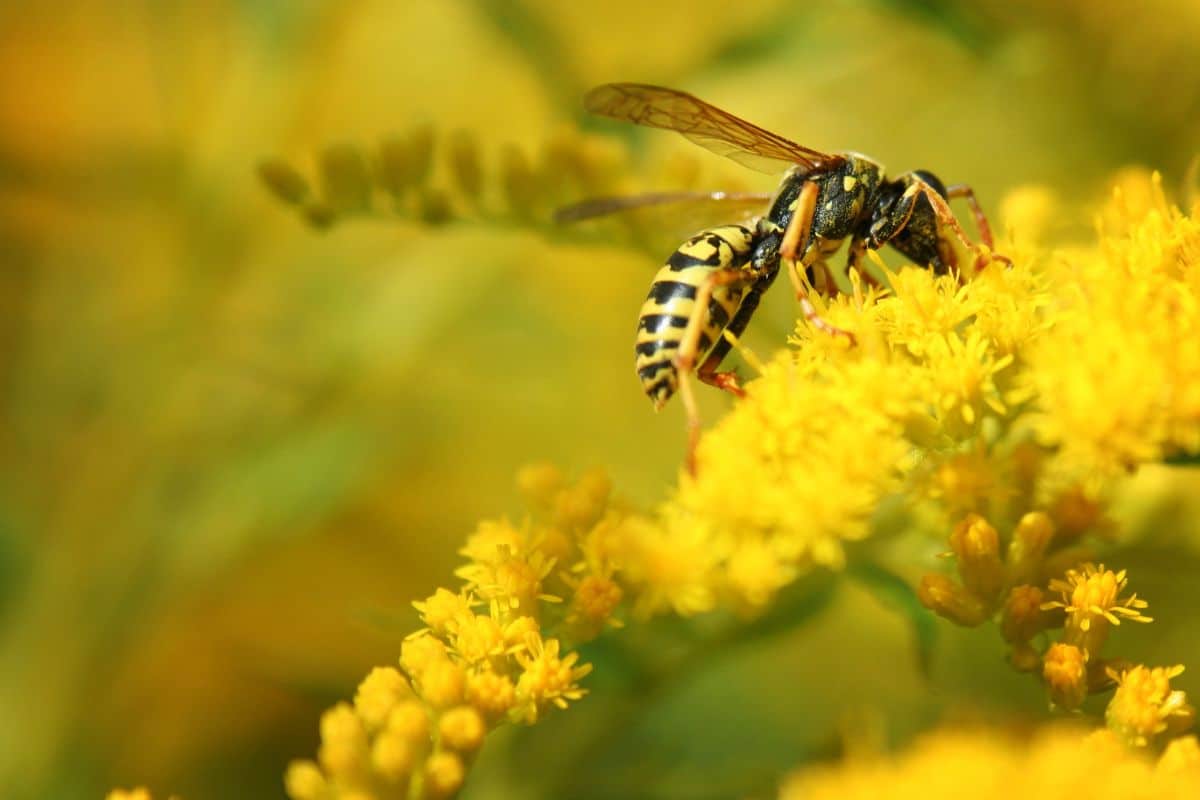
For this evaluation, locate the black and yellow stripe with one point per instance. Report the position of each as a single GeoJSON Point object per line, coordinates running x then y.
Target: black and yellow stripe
{"type": "Point", "coordinates": [671, 301]}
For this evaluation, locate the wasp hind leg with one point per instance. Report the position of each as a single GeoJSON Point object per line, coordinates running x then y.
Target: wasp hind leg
{"type": "Point", "coordinates": [794, 237]}
{"type": "Point", "coordinates": [689, 347]}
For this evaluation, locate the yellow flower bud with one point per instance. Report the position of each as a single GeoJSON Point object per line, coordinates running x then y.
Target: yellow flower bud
{"type": "Point", "coordinates": [976, 544]}
{"type": "Point", "coordinates": [411, 721]}
{"type": "Point", "coordinates": [941, 595]}
{"type": "Point", "coordinates": [442, 684]}
{"type": "Point", "coordinates": [1030, 540]}
{"type": "Point", "coordinates": [284, 181]}
{"type": "Point", "coordinates": [418, 652]}
{"type": "Point", "coordinates": [378, 694]}
{"type": "Point", "coordinates": [464, 163]}
{"type": "Point", "coordinates": [1064, 669]}
{"type": "Point", "coordinates": [345, 179]}
{"type": "Point", "coordinates": [539, 483]}
{"type": "Point", "coordinates": [462, 729]}
{"type": "Point", "coordinates": [303, 781]}
{"type": "Point", "coordinates": [343, 750]}
{"type": "Point", "coordinates": [1023, 617]}
{"type": "Point", "coordinates": [444, 775]}
{"type": "Point", "coordinates": [492, 694]}
{"type": "Point", "coordinates": [393, 755]}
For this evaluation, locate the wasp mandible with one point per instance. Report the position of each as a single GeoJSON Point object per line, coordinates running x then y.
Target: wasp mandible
{"type": "Point", "coordinates": [714, 281]}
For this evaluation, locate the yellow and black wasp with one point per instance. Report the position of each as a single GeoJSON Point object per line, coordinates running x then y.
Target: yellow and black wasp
{"type": "Point", "coordinates": [714, 281]}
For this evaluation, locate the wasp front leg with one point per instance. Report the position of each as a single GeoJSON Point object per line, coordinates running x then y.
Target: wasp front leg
{"type": "Point", "coordinates": [945, 216]}
{"type": "Point", "coordinates": [689, 347]}
{"type": "Point", "coordinates": [795, 237]}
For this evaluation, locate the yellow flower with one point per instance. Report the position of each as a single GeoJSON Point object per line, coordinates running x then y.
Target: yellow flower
{"type": "Point", "coordinates": [510, 581]}
{"type": "Point", "coordinates": [987, 766]}
{"type": "Point", "coordinates": [1091, 598]}
{"type": "Point", "coordinates": [1115, 375]}
{"type": "Point", "coordinates": [444, 610]}
{"type": "Point", "coordinates": [546, 678]}
{"type": "Point", "coordinates": [1144, 704]}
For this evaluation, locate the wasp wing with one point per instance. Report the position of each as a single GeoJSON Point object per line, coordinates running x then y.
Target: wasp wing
{"type": "Point", "coordinates": [730, 203]}
{"type": "Point", "coordinates": [705, 124]}
{"type": "Point", "coordinates": [658, 221]}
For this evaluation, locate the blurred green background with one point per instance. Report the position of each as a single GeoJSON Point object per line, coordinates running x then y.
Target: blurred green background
{"type": "Point", "coordinates": [234, 448]}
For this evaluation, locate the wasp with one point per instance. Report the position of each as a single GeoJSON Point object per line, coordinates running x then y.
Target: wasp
{"type": "Point", "coordinates": [713, 283]}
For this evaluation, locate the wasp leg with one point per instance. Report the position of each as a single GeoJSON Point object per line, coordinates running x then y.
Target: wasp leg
{"type": "Point", "coordinates": [707, 372]}
{"type": "Point", "coordinates": [689, 345]}
{"type": "Point", "coordinates": [946, 216]}
{"type": "Point", "coordinates": [795, 236]}
{"type": "Point", "coordinates": [858, 249]}
{"type": "Point", "coordinates": [981, 221]}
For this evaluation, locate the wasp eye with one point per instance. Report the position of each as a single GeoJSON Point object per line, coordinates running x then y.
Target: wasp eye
{"type": "Point", "coordinates": [932, 180]}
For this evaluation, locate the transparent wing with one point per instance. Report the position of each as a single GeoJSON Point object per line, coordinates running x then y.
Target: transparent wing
{"type": "Point", "coordinates": [659, 221]}
{"type": "Point", "coordinates": [731, 203]}
{"type": "Point", "coordinates": [705, 124]}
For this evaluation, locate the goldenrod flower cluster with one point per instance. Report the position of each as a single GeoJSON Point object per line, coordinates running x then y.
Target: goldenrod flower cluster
{"type": "Point", "coordinates": [1003, 409]}
{"type": "Point", "coordinates": [985, 765]}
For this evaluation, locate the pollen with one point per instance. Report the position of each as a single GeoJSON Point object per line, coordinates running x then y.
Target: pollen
{"type": "Point", "coordinates": [849, 182]}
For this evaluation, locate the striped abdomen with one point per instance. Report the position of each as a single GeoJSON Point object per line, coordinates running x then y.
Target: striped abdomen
{"type": "Point", "coordinates": [672, 299]}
